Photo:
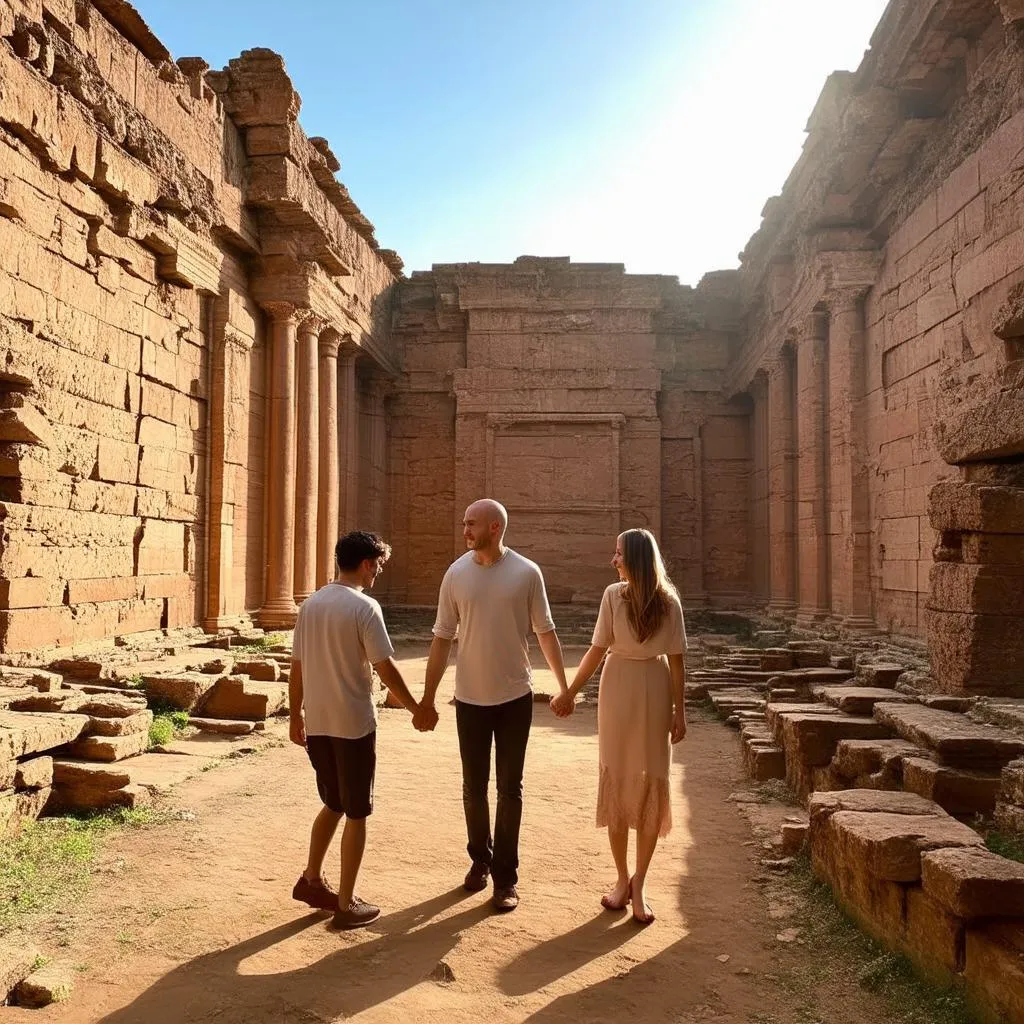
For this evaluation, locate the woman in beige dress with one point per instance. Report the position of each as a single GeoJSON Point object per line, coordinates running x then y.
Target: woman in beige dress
{"type": "Point", "coordinates": [640, 709]}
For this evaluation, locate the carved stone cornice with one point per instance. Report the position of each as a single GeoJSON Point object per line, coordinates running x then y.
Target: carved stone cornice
{"type": "Point", "coordinates": [238, 341]}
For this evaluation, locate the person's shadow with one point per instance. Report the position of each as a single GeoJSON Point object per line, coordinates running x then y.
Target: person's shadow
{"type": "Point", "coordinates": [403, 952]}
{"type": "Point", "coordinates": [548, 961]}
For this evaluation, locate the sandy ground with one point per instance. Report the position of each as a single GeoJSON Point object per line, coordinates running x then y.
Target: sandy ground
{"type": "Point", "coordinates": [192, 921]}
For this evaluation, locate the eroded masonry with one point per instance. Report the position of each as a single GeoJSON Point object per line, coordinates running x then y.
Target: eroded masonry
{"type": "Point", "coordinates": [211, 367]}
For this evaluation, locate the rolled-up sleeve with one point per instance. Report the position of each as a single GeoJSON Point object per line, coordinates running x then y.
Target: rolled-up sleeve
{"type": "Point", "coordinates": [446, 624]}
{"type": "Point", "coordinates": [540, 610]}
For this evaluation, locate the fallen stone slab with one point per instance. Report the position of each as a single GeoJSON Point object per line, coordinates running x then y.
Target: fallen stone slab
{"type": "Point", "coordinates": [25, 733]}
{"type": "Point", "coordinates": [890, 845]}
{"type": "Point", "coordinates": [773, 712]}
{"type": "Point", "coordinates": [813, 738]}
{"type": "Point", "coordinates": [109, 748]}
{"type": "Point", "coordinates": [50, 984]}
{"type": "Point", "coordinates": [68, 772]}
{"type": "Point", "coordinates": [19, 806]}
{"type": "Point", "coordinates": [225, 726]}
{"type": "Point", "coordinates": [1006, 713]}
{"type": "Point", "coordinates": [238, 697]}
{"type": "Point", "coordinates": [973, 883]}
{"type": "Point", "coordinates": [34, 773]}
{"type": "Point", "coordinates": [17, 957]}
{"type": "Point", "coordinates": [139, 722]}
{"type": "Point", "coordinates": [854, 758]}
{"type": "Point", "coordinates": [857, 700]}
{"type": "Point", "coordinates": [184, 691]}
{"type": "Point", "coordinates": [822, 806]}
{"type": "Point", "coordinates": [36, 678]}
{"type": "Point", "coordinates": [954, 739]}
{"type": "Point", "coordinates": [263, 671]}
{"type": "Point", "coordinates": [960, 791]}
{"type": "Point", "coordinates": [881, 674]}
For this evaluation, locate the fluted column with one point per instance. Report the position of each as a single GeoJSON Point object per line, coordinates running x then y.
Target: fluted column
{"type": "Point", "coordinates": [812, 448]}
{"type": "Point", "coordinates": [781, 487]}
{"type": "Point", "coordinates": [348, 434]}
{"type": "Point", "coordinates": [329, 480]}
{"type": "Point", "coordinates": [279, 602]}
{"type": "Point", "coordinates": [307, 457]}
{"type": "Point", "coordinates": [851, 531]}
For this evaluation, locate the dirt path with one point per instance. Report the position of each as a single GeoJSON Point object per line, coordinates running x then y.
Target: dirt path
{"type": "Point", "coordinates": [192, 921]}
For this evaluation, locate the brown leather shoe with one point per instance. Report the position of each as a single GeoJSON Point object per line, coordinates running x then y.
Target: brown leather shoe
{"type": "Point", "coordinates": [359, 913]}
{"type": "Point", "coordinates": [318, 894]}
{"type": "Point", "coordinates": [476, 878]}
{"type": "Point", "coordinates": [505, 898]}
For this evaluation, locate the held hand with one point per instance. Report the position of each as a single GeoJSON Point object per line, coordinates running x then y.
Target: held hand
{"type": "Point", "coordinates": [678, 726]}
{"type": "Point", "coordinates": [425, 718]}
{"type": "Point", "coordinates": [297, 730]}
{"type": "Point", "coordinates": [563, 704]}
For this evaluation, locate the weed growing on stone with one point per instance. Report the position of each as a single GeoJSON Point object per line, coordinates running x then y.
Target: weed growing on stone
{"type": "Point", "coordinates": [165, 726]}
{"type": "Point", "coordinates": [842, 948]}
{"type": "Point", "coordinates": [262, 644]}
{"type": "Point", "coordinates": [134, 682]}
{"type": "Point", "coordinates": [47, 864]}
{"type": "Point", "coordinates": [1006, 844]}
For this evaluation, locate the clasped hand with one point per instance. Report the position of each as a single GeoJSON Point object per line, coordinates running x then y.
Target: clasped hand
{"type": "Point", "coordinates": [425, 717]}
{"type": "Point", "coordinates": [563, 704]}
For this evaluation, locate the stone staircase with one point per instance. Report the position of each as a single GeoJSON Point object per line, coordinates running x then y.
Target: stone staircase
{"type": "Point", "coordinates": [893, 779]}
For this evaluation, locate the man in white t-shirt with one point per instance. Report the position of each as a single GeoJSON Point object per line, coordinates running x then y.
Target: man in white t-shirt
{"type": "Point", "coordinates": [339, 634]}
{"type": "Point", "coordinates": [494, 598]}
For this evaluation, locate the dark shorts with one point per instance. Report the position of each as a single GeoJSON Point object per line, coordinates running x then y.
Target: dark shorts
{"type": "Point", "coordinates": [344, 772]}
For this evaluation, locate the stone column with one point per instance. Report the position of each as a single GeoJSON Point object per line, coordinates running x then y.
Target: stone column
{"type": "Point", "coordinates": [781, 487]}
{"type": "Point", "coordinates": [307, 457]}
{"type": "Point", "coordinates": [850, 539]}
{"type": "Point", "coordinates": [279, 609]}
{"type": "Point", "coordinates": [378, 390]}
{"type": "Point", "coordinates": [348, 435]}
{"type": "Point", "coordinates": [329, 480]}
{"type": "Point", "coordinates": [813, 486]}
{"type": "Point", "coordinates": [759, 547]}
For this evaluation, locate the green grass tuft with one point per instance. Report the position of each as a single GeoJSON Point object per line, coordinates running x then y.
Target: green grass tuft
{"type": "Point", "coordinates": [165, 726]}
{"type": "Point", "coordinates": [1006, 844]}
{"type": "Point", "coordinates": [47, 864]}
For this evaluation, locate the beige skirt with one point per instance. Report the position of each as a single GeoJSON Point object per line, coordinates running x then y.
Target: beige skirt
{"type": "Point", "coordinates": [634, 719]}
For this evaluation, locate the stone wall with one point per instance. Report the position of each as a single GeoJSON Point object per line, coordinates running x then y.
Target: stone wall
{"type": "Point", "coordinates": [871, 293]}
{"type": "Point", "coordinates": [177, 263]}
{"type": "Point", "coordinates": [581, 397]}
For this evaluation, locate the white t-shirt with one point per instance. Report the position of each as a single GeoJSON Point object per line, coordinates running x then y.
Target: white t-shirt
{"type": "Point", "coordinates": [493, 608]}
{"type": "Point", "coordinates": [339, 634]}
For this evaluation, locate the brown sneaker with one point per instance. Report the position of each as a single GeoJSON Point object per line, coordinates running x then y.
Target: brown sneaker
{"type": "Point", "coordinates": [476, 878]}
{"type": "Point", "coordinates": [505, 898]}
{"type": "Point", "coordinates": [358, 914]}
{"type": "Point", "coordinates": [318, 894]}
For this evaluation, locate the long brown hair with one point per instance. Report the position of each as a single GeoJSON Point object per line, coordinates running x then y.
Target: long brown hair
{"type": "Point", "coordinates": [648, 591]}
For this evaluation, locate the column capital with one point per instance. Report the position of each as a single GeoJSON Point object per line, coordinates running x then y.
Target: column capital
{"type": "Point", "coordinates": [281, 312]}
{"type": "Point", "coordinates": [330, 342]}
{"type": "Point", "coordinates": [310, 322]}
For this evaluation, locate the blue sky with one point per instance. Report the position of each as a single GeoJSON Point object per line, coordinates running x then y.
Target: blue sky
{"type": "Point", "coordinates": [644, 132]}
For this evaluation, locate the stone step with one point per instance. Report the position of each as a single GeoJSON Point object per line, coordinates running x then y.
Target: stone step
{"type": "Point", "coordinates": [19, 806]}
{"type": "Point", "coordinates": [959, 791]}
{"type": "Point", "coordinates": [24, 733]}
{"type": "Point", "coordinates": [224, 726]}
{"type": "Point", "coordinates": [239, 697]}
{"type": "Point", "coordinates": [882, 674]}
{"type": "Point", "coordinates": [90, 785]}
{"type": "Point", "coordinates": [954, 739]}
{"type": "Point", "coordinates": [182, 690]}
{"type": "Point", "coordinates": [110, 748]}
{"type": "Point", "coordinates": [857, 700]}
{"type": "Point", "coordinates": [855, 759]}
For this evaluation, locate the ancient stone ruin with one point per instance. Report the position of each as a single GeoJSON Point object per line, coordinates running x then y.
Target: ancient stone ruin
{"type": "Point", "coordinates": [211, 368]}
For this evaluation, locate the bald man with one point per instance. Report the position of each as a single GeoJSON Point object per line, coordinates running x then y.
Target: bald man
{"type": "Point", "coordinates": [494, 598]}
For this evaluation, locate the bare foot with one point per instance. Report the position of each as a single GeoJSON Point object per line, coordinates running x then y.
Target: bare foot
{"type": "Point", "coordinates": [642, 912]}
{"type": "Point", "coordinates": [617, 897]}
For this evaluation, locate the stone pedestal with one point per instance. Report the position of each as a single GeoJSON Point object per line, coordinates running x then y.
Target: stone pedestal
{"type": "Point", "coordinates": [329, 478]}
{"type": "Point", "coordinates": [307, 458]}
{"type": "Point", "coordinates": [279, 609]}
{"type": "Point", "coordinates": [813, 483]}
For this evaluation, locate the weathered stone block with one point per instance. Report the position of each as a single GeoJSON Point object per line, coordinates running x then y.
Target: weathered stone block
{"type": "Point", "coordinates": [34, 773]}
{"type": "Point", "coordinates": [932, 936]}
{"type": "Point", "coordinates": [50, 984]}
{"type": "Point", "coordinates": [109, 748]}
{"type": "Point", "coordinates": [959, 791]}
{"type": "Point", "coordinates": [994, 967]}
{"type": "Point", "coordinates": [241, 698]}
{"type": "Point", "coordinates": [972, 883]}
{"type": "Point", "coordinates": [22, 734]}
{"type": "Point", "coordinates": [16, 960]}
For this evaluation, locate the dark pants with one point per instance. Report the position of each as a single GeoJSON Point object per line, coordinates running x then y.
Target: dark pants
{"type": "Point", "coordinates": [509, 725]}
